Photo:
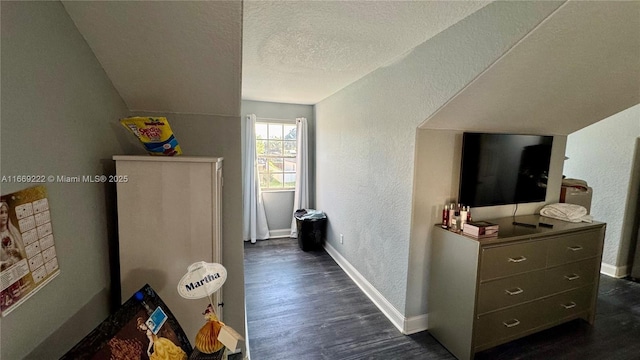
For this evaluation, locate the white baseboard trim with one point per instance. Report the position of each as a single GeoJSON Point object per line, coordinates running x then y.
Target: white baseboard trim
{"type": "Point", "coordinates": [416, 324]}
{"type": "Point", "coordinates": [614, 271]}
{"type": "Point", "coordinates": [404, 325]}
{"type": "Point", "coordinates": [281, 233]}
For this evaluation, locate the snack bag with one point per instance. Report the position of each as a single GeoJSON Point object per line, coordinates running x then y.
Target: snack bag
{"type": "Point", "coordinates": [154, 133]}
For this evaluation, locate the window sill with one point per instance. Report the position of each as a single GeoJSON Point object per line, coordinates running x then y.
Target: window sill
{"type": "Point", "coordinates": [276, 191]}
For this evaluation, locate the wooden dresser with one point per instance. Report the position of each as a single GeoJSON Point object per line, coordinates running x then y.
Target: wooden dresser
{"type": "Point", "coordinates": [486, 292]}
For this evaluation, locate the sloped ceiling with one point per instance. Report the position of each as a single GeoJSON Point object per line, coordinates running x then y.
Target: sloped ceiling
{"type": "Point", "coordinates": [581, 65]}
{"type": "Point", "coordinates": [304, 51]}
{"type": "Point", "coordinates": [185, 56]}
{"type": "Point", "coordinates": [177, 56]}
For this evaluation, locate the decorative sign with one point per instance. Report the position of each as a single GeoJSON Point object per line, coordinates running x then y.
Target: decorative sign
{"type": "Point", "coordinates": [201, 280]}
{"type": "Point", "coordinates": [28, 258]}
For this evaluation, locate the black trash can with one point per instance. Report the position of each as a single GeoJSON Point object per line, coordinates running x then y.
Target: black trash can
{"type": "Point", "coordinates": [311, 226]}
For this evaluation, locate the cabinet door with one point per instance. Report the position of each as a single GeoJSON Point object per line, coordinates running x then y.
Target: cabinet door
{"type": "Point", "coordinates": [165, 215]}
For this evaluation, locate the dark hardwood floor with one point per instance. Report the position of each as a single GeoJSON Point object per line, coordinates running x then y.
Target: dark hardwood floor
{"type": "Point", "coordinates": [301, 305]}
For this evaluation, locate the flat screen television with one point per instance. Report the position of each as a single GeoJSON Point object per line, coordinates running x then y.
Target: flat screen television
{"type": "Point", "coordinates": [501, 169]}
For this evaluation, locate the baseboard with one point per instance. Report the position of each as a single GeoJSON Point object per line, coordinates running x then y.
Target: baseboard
{"type": "Point", "coordinates": [416, 324]}
{"type": "Point", "coordinates": [614, 271]}
{"type": "Point", "coordinates": [282, 233]}
{"type": "Point", "coordinates": [396, 318]}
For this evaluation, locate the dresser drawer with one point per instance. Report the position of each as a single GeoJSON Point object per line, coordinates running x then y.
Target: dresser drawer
{"type": "Point", "coordinates": [568, 304]}
{"type": "Point", "coordinates": [572, 275]}
{"type": "Point", "coordinates": [510, 291]}
{"type": "Point", "coordinates": [509, 260]}
{"type": "Point", "coordinates": [573, 247]}
{"type": "Point", "coordinates": [493, 327]}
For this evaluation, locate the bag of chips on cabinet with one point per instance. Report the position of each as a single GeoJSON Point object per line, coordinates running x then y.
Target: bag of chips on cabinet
{"type": "Point", "coordinates": [154, 133]}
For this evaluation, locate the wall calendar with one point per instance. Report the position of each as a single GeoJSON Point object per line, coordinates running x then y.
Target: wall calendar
{"type": "Point", "coordinates": [28, 259]}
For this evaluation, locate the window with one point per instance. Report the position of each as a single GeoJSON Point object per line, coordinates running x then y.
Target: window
{"type": "Point", "coordinates": [276, 149]}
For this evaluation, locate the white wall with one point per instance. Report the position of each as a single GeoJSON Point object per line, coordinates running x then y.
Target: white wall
{"type": "Point", "coordinates": [59, 117]}
{"type": "Point", "coordinates": [366, 136]}
{"type": "Point", "coordinates": [603, 154]}
{"type": "Point", "coordinates": [278, 207]}
{"type": "Point", "coordinates": [279, 204]}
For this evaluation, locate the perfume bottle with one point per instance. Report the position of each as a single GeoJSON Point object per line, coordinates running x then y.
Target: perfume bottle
{"type": "Point", "coordinates": [445, 217]}
{"type": "Point", "coordinates": [463, 217]}
{"type": "Point", "coordinates": [454, 225]}
{"type": "Point", "coordinates": [452, 213]}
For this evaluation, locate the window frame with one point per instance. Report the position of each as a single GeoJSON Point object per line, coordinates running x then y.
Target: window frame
{"type": "Point", "coordinates": [282, 156]}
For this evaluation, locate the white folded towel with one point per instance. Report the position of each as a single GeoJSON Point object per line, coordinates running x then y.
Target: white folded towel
{"type": "Point", "coordinates": [566, 212]}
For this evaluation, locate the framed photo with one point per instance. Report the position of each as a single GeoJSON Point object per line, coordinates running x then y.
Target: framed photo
{"type": "Point", "coordinates": [142, 328]}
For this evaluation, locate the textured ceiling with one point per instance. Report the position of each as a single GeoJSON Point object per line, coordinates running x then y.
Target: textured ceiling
{"type": "Point", "coordinates": [189, 56]}
{"type": "Point", "coordinates": [304, 51]}
{"type": "Point", "coordinates": [182, 57]}
{"type": "Point", "coordinates": [579, 66]}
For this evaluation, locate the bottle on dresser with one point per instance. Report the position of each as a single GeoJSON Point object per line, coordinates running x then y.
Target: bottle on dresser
{"type": "Point", "coordinates": [463, 217]}
{"type": "Point", "coordinates": [452, 214]}
{"type": "Point", "coordinates": [445, 217]}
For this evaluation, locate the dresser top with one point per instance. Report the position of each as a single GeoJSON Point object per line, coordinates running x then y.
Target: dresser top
{"type": "Point", "coordinates": [508, 231]}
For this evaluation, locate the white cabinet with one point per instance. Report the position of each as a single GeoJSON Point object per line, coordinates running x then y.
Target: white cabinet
{"type": "Point", "coordinates": [169, 216]}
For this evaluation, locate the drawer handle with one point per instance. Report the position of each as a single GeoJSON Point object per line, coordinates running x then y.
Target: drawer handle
{"type": "Point", "coordinates": [570, 305]}
{"type": "Point", "coordinates": [572, 277]}
{"type": "Point", "coordinates": [511, 323]}
{"type": "Point", "coordinates": [515, 291]}
{"type": "Point", "coordinates": [575, 248]}
{"type": "Point", "coordinates": [518, 259]}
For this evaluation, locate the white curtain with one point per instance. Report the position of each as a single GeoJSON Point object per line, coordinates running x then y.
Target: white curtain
{"type": "Point", "coordinates": [254, 217]}
{"type": "Point", "coordinates": [301, 197]}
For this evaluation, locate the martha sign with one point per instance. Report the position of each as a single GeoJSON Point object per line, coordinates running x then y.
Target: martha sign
{"type": "Point", "coordinates": [201, 280]}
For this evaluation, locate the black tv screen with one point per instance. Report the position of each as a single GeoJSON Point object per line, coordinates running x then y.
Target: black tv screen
{"type": "Point", "coordinates": [500, 169]}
